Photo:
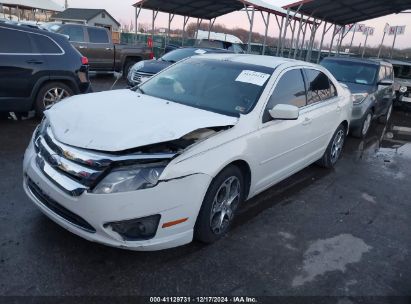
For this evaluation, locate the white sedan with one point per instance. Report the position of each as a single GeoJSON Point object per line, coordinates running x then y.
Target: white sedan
{"type": "Point", "coordinates": [173, 160]}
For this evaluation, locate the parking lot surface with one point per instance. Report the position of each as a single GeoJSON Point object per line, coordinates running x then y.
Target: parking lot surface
{"type": "Point", "coordinates": [341, 232]}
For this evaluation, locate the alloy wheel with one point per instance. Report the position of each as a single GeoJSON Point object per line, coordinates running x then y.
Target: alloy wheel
{"type": "Point", "coordinates": [53, 96]}
{"type": "Point", "coordinates": [225, 203]}
{"type": "Point", "coordinates": [337, 146]}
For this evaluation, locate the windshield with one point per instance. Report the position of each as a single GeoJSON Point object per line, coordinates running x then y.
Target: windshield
{"type": "Point", "coordinates": [223, 87]}
{"type": "Point", "coordinates": [403, 71]}
{"type": "Point", "coordinates": [177, 55]}
{"type": "Point", "coordinates": [352, 72]}
{"type": "Point", "coordinates": [52, 27]}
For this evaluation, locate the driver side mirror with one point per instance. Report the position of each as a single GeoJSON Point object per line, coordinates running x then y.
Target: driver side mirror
{"type": "Point", "coordinates": [285, 112]}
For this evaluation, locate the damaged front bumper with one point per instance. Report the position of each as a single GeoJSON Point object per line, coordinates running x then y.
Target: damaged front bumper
{"type": "Point", "coordinates": [72, 205]}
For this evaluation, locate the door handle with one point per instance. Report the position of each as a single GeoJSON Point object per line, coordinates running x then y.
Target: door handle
{"type": "Point", "coordinates": [307, 122]}
{"type": "Point", "coordinates": [34, 61]}
{"type": "Point", "coordinates": [82, 47]}
{"type": "Point", "coordinates": [109, 49]}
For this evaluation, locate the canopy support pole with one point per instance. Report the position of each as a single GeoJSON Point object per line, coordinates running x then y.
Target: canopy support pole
{"type": "Point", "coordinates": [300, 27]}
{"type": "Point", "coordinates": [137, 15]}
{"type": "Point", "coordinates": [186, 18]}
{"type": "Point", "coordinates": [280, 28]}
{"type": "Point", "coordinates": [288, 23]}
{"type": "Point", "coordinates": [199, 21]}
{"type": "Point", "coordinates": [155, 13]}
{"type": "Point", "coordinates": [353, 35]}
{"type": "Point", "coordinates": [325, 31]}
{"type": "Point", "coordinates": [332, 40]}
{"type": "Point", "coordinates": [382, 42]}
{"type": "Point", "coordinates": [251, 20]}
{"type": "Point", "coordinates": [170, 19]}
{"type": "Point", "coordinates": [301, 52]}
{"type": "Point", "coordinates": [393, 43]}
{"type": "Point", "coordinates": [344, 32]}
{"type": "Point", "coordinates": [210, 27]}
{"type": "Point", "coordinates": [315, 27]}
{"type": "Point", "coordinates": [292, 37]}
{"type": "Point", "coordinates": [267, 24]}
{"type": "Point", "coordinates": [365, 44]}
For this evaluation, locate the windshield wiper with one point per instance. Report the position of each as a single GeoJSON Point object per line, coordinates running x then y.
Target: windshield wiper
{"type": "Point", "coordinates": [137, 88]}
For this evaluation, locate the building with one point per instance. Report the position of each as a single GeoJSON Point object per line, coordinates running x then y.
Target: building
{"type": "Point", "coordinates": [94, 17]}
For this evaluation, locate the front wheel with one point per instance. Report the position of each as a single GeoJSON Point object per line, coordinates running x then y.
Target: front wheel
{"type": "Point", "coordinates": [220, 204]}
{"type": "Point", "coordinates": [362, 131]}
{"type": "Point", "coordinates": [386, 118]}
{"type": "Point", "coordinates": [334, 149]}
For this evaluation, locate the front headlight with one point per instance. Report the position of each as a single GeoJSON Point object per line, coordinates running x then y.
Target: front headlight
{"type": "Point", "coordinates": [403, 89]}
{"type": "Point", "coordinates": [359, 98]}
{"type": "Point", "coordinates": [130, 178]}
{"type": "Point", "coordinates": [136, 67]}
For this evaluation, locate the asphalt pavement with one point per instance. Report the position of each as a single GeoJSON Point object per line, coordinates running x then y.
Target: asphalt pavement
{"type": "Point", "coordinates": [343, 232]}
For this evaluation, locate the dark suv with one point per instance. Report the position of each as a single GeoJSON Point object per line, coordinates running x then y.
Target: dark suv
{"type": "Point", "coordinates": [372, 85]}
{"type": "Point", "coordinates": [38, 69]}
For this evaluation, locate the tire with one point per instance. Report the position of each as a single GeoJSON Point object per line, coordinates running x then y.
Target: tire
{"type": "Point", "coordinates": [387, 116]}
{"type": "Point", "coordinates": [127, 67]}
{"type": "Point", "coordinates": [209, 228]}
{"type": "Point", "coordinates": [362, 131]}
{"type": "Point", "coordinates": [48, 96]}
{"type": "Point", "coordinates": [334, 149]}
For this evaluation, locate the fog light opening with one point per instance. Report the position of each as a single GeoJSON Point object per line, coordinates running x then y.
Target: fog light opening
{"type": "Point", "coordinates": [141, 229]}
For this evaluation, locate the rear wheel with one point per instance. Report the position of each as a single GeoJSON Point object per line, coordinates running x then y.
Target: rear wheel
{"type": "Point", "coordinates": [220, 205]}
{"type": "Point", "coordinates": [334, 149]}
{"type": "Point", "coordinates": [50, 94]}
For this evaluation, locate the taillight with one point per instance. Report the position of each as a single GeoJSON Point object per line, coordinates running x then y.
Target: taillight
{"type": "Point", "coordinates": [152, 55]}
{"type": "Point", "coordinates": [84, 60]}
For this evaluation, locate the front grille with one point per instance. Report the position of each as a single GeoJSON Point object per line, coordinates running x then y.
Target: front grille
{"type": "Point", "coordinates": [56, 208]}
{"type": "Point", "coordinates": [137, 76]}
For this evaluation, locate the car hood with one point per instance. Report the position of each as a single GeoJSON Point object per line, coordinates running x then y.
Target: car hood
{"type": "Point", "coordinates": [403, 82]}
{"type": "Point", "coordinates": [115, 121]}
{"type": "Point", "coordinates": [154, 66]}
{"type": "Point", "coordinates": [359, 88]}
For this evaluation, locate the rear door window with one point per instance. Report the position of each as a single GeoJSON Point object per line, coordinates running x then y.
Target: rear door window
{"type": "Point", "coordinates": [97, 35]}
{"type": "Point", "coordinates": [320, 87]}
{"type": "Point", "coordinates": [15, 42]}
{"type": "Point", "coordinates": [290, 90]}
{"type": "Point", "coordinates": [44, 45]}
{"type": "Point", "coordinates": [75, 32]}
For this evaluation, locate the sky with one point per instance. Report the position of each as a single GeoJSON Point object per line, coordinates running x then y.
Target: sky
{"type": "Point", "coordinates": [123, 11]}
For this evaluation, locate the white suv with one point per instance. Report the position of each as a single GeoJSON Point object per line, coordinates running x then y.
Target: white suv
{"type": "Point", "coordinates": [152, 168]}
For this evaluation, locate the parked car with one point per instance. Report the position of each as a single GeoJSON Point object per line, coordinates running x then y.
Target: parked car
{"type": "Point", "coordinates": [144, 70]}
{"type": "Point", "coordinates": [218, 44]}
{"type": "Point", "coordinates": [96, 44]}
{"type": "Point", "coordinates": [372, 85]}
{"type": "Point", "coordinates": [185, 149]}
{"type": "Point", "coordinates": [402, 74]}
{"type": "Point", "coordinates": [38, 69]}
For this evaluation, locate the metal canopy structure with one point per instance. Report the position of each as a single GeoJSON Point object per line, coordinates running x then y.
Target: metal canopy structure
{"type": "Point", "coordinates": [211, 9]}
{"type": "Point", "coordinates": [345, 12]}
{"type": "Point", "coordinates": [46, 5]}
{"type": "Point", "coordinates": [202, 9]}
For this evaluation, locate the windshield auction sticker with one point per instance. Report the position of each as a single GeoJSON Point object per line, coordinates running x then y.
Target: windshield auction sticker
{"type": "Point", "coordinates": [253, 77]}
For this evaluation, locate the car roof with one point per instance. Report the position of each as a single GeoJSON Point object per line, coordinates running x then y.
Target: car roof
{"type": "Point", "coordinates": [376, 61]}
{"type": "Point", "coordinates": [266, 61]}
{"type": "Point", "coordinates": [30, 29]}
